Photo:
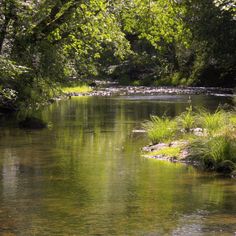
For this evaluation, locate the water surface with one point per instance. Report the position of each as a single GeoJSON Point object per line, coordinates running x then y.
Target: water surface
{"type": "Point", "coordinates": [85, 175]}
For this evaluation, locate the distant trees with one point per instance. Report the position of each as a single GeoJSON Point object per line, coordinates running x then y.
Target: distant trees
{"type": "Point", "coordinates": [213, 28]}
{"type": "Point", "coordinates": [189, 42]}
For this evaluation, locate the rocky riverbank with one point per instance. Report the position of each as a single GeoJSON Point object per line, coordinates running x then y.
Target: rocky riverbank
{"type": "Point", "coordinates": [175, 151]}
{"type": "Point", "coordinates": [179, 152]}
{"type": "Point", "coordinates": [201, 138]}
{"type": "Point", "coordinates": [116, 90]}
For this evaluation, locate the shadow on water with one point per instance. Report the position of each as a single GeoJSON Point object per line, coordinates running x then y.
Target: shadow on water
{"type": "Point", "coordinates": [85, 175]}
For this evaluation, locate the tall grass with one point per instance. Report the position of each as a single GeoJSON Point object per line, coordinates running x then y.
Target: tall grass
{"type": "Point", "coordinates": [214, 151]}
{"type": "Point", "coordinates": [187, 119]}
{"type": "Point", "coordinates": [232, 120]}
{"type": "Point", "coordinates": [161, 129]}
{"type": "Point", "coordinates": [212, 122]}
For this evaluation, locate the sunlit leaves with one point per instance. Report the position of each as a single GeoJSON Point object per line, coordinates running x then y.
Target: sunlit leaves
{"type": "Point", "coordinates": [157, 21]}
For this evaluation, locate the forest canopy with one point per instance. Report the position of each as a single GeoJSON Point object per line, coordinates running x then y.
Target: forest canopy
{"type": "Point", "coordinates": [43, 43]}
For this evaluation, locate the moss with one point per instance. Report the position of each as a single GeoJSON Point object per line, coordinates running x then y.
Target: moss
{"type": "Point", "coordinates": [167, 151]}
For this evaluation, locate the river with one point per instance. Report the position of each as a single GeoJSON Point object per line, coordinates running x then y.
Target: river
{"type": "Point", "coordinates": [85, 174]}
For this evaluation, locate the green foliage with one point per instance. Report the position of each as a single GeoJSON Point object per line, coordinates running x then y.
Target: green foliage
{"type": "Point", "coordinates": [9, 70]}
{"type": "Point", "coordinates": [212, 122]}
{"type": "Point", "coordinates": [219, 148]}
{"type": "Point", "coordinates": [34, 92]}
{"type": "Point", "coordinates": [54, 40]}
{"type": "Point", "coordinates": [161, 129]}
{"type": "Point", "coordinates": [188, 50]}
{"type": "Point", "coordinates": [187, 120]}
{"type": "Point", "coordinates": [214, 62]}
{"type": "Point", "coordinates": [213, 151]}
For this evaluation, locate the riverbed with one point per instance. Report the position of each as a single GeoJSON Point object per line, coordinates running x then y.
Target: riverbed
{"type": "Point", "coordinates": [85, 175]}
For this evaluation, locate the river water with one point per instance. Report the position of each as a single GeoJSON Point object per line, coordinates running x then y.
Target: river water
{"type": "Point", "coordinates": [85, 175]}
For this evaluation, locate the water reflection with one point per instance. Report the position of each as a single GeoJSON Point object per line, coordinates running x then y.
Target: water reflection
{"type": "Point", "coordinates": [85, 176]}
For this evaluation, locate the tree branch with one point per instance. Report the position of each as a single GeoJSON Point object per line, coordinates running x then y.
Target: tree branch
{"type": "Point", "coordinates": [51, 22]}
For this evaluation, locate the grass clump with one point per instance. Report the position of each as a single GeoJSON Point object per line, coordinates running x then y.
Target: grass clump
{"type": "Point", "coordinates": [187, 119]}
{"type": "Point", "coordinates": [232, 120]}
{"type": "Point", "coordinates": [215, 153]}
{"type": "Point", "coordinates": [212, 122]}
{"type": "Point", "coordinates": [161, 129]}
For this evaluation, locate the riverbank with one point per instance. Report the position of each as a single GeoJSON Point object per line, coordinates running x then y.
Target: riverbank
{"type": "Point", "coordinates": [203, 139]}
{"type": "Point", "coordinates": [175, 151]}
{"type": "Point", "coordinates": [107, 90]}
{"type": "Point", "coordinates": [110, 88]}
{"type": "Point", "coordinates": [179, 152]}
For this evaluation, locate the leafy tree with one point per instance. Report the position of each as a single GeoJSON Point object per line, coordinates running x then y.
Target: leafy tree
{"type": "Point", "coordinates": [56, 40]}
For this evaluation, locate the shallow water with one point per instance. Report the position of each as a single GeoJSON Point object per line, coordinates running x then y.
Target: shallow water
{"type": "Point", "coordinates": [85, 175]}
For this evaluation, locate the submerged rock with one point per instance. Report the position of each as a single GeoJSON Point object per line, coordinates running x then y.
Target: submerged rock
{"type": "Point", "coordinates": [32, 123]}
